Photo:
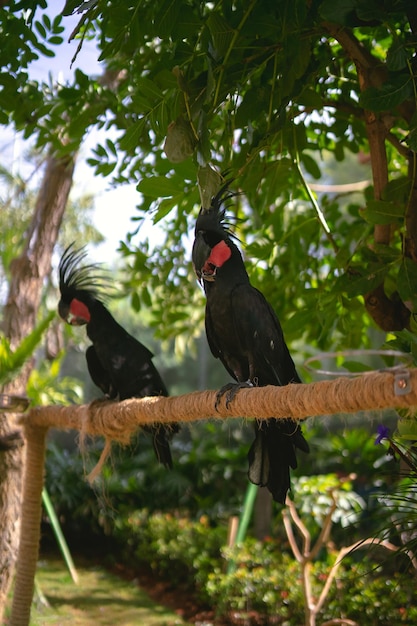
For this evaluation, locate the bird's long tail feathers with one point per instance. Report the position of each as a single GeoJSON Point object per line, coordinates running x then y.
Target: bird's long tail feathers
{"type": "Point", "coordinates": [273, 453]}
{"type": "Point", "coordinates": [161, 436]}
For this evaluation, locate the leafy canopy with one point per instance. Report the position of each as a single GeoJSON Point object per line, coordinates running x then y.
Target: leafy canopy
{"type": "Point", "coordinates": [274, 93]}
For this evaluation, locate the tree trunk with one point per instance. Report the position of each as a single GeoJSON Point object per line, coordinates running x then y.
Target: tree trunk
{"type": "Point", "coordinates": [263, 514]}
{"type": "Point", "coordinates": [28, 273]}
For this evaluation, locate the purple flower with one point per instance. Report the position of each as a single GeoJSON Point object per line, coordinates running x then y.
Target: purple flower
{"type": "Point", "coordinates": [383, 432]}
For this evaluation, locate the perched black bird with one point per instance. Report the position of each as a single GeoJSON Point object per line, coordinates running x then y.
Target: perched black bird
{"type": "Point", "coordinates": [118, 364]}
{"type": "Point", "coordinates": [245, 334]}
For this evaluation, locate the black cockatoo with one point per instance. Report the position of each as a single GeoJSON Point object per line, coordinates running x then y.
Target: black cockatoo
{"type": "Point", "coordinates": [245, 334]}
{"type": "Point", "coordinates": [118, 363]}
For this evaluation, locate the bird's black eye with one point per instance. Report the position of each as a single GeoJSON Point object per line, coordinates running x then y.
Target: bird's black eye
{"type": "Point", "coordinates": [211, 238]}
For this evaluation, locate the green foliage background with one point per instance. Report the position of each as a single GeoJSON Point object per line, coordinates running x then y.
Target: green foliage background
{"type": "Point", "coordinates": [263, 90]}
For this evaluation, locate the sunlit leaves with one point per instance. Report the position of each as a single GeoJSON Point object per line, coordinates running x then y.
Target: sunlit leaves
{"type": "Point", "coordinates": [161, 186]}
{"type": "Point", "coordinates": [11, 361]}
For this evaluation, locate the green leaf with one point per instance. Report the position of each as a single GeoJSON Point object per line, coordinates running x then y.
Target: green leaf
{"type": "Point", "coordinates": [71, 6]}
{"type": "Point", "coordinates": [111, 147]}
{"type": "Point", "coordinates": [167, 17]}
{"type": "Point", "coordinates": [165, 206]}
{"type": "Point", "coordinates": [135, 301]}
{"type": "Point", "coordinates": [407, 282]}
{"type": "Point", "coordinates": [148, 89]}
{"type": "Point", "coordinates": [397, 190]}
{"type": "Point", "coordinates": [100, 151]}
{"type": "Point", "coordinates": [44, 50]}
{"type": "Point", "coordinates": [221, 33]}
{"type": "Point", "coordinates": [411, 139]}
{"type": "Point", "coordinates": [397, 56]}
{"type": "Point", "coordinates": [55, 40]}
{"type": "Point", "coordinates": [105, 169]}
{"type": "Point", "coordinates": [160, 187]}
{"type": "Point", "coordinates": [12, 361]}
{"type": "Point", "coordinates": [383, 212]}
{"type": "Point", "coordinates": [390, 95]}
{"type": "Point", "coordinates": [40, 28]}
{"type": "Point", "coordinates": [310, 165]}
{"type": "Point", "coordinates": [69, 93]}
{"type": "Point", "coordinates": [362, 281]}
{"type": "Point", "coordinates": [47, 21]}
{"type": "Point", "coordinates": [368, 10]}
{"type": "Point", "coordinates": [131, 138]}
{"type": "Point", "coordinates": [338, 11]}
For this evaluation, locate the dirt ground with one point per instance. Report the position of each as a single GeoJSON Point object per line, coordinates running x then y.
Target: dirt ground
{"type": "Point", "coordinates": [190, 608]}
{"type": "Point", "coordinates": [178, 599]}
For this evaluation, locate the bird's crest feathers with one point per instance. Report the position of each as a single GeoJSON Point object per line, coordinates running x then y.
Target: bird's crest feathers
{"type": "Point", "coordinates": [215, 218]}
{"type": "Point", "coordinates": [75, 277]}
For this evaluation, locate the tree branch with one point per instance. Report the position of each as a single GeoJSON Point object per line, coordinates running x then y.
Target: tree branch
{"type": "Point", "coordinates": [290, 536]}
{"type": "Point", "coordinates": [389, 313]}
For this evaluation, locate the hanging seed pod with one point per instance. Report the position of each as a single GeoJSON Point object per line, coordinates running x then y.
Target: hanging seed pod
{"type": "Point", "coordinates": [180, 141]}
{"type": "Point", "coordinates": [209, 182]}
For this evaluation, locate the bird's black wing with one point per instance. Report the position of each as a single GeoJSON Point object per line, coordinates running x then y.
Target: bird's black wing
{"type": "Point", "coordinates": [261, 337]}
{"type": "Point", "coordinates": [273, 450]}
{"type": "Point", "coordinates": [215, 345]}
{"type": "Point", "coordinates": [99, 375]}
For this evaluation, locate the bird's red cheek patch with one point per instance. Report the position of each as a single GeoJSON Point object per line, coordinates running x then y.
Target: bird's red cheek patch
{"type": "Point", "coordinates": [78, 312]}
{"type": "Point", "coordinates": [219, 254]}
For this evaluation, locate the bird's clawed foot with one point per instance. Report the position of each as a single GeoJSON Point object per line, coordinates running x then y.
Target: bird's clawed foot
{"type": "Point", "coordinates": [230, 390]}
{"type": "Point", "coordinates": [97, 402]}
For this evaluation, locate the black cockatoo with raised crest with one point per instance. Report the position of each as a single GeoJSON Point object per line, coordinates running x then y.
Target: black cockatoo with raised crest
{"type": "Point", "coordinates": [245, 334]}
{"type": "Point", "coordinates": [118, 363]}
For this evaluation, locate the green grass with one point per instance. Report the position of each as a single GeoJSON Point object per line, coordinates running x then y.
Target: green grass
{"type": "Point", "coordinates": [99, 599]}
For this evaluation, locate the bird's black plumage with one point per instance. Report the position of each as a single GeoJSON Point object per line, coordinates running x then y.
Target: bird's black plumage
{"type": "Point", "coordinates": [118, 363]}
{"type": "Point", "coordinates": [245, 334]}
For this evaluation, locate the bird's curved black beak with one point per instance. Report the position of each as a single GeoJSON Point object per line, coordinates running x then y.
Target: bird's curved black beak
{"type": "Point", "coordinates": [200, 253]}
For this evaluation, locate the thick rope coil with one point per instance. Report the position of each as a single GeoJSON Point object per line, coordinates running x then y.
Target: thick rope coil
{"type": "Point", "coordinates": [119, 420]}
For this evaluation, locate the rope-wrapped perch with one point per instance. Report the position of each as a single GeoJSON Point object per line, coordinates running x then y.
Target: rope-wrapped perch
{"type": "Point", "coordinates": [30, 529]}
{"type": "Point", "coordinates": [118, 420]}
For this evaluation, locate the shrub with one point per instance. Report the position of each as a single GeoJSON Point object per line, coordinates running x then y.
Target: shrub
{"type": "Point", "coordinates": [261, 579]}
{"type": "Point", "coordinates": [176, 547]}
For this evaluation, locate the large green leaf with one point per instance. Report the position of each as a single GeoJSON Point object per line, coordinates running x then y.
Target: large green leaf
{"type": "Point", "coordinates": [407, 282]}
{"type": "Point", "coordinates": [12, 361]}
{"type": "Point", "coordinates": [337, 11]}
{"type": "Point", "coordinates": [221, 33]}
{"type": "Point", "coordinates": [383, 212]}
{"type": "Point", "coordinates": [160, 186]}
{"type": "Point", "coordinates": [392, 93]}
{"type": "Point", "coordinates": [361, 280]}
{"type": "Point", "coordinates": [397, 56]}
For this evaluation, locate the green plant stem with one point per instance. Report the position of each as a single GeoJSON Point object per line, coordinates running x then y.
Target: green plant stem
{"type": "Point", "coordinates": [248, 504]}
{"type": "Point", "coordinates": [56, 526]}
{"type": "Point", "coordinates": [319, 212]}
